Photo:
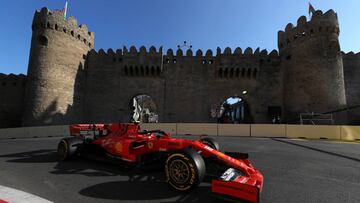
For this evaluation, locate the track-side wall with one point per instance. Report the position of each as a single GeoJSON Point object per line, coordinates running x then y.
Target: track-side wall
{"type": "Point", "coordinates": [334, 132]}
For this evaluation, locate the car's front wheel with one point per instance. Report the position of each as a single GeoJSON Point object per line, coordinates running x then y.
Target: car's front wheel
{"type": "Point", "coordinates": [185, 169]}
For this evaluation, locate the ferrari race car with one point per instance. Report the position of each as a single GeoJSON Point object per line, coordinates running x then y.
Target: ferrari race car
{"type": "Point", "coordinates": [185, 161]}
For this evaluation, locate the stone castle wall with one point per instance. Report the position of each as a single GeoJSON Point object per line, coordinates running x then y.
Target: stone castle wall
{"type": "Point", "coordinates": [69, 82]}
{"type": "Point", "coordinates": [12, 89]}
{"type": "Point", "coordinates": [352, 85]}
{"type": "Point", "coordinates": [184, 88]}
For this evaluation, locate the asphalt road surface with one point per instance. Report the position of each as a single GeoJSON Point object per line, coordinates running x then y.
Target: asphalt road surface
{"type": "Point", "coordinates": [294, 171]}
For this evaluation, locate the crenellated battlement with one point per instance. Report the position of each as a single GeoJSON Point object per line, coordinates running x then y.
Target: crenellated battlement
{"type": "Point", "coordinates": [12, 80]}
{"type": "Point", "coordinates": [54, 20]}
{"type": "Point", "coordinates": [351, 55]}
{"type": "Point", "coordinates": [143, 62]}
{"type": "Point", "coordinates": [152, 62]}
{"type": "Point", "coordinates": [319, 24]}
{"type": "Point", "coordinates": [238, 69]}
{"type": "Point", "coordinates": [127, 52]}
{"type": "Point", "coordinates": [142, 51]}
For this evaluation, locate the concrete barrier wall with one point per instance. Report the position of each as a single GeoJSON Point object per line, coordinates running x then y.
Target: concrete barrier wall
{"type": "Point", "coordinates": [238, 130]}
{"type": "Point", "coordinates": [268, 130]}
{"type": "Point", "coordinates": [50, 131]}
{"type": "Point", "coordinates": [313, 131]}
{"type": "Point", "coordinates": [8, 133]}
{"type": "Point", "coordinates": [166, 127]}
{"type": "Point", "coordinates": [350, 133]}
{"type": "Point", "coordinates": [197, 128]}
{"type": "Point", "coordinates": [31, 132]}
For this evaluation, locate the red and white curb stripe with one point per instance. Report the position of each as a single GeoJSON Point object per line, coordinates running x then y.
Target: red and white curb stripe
{"type": "Point", "coordinates": [10, 195]}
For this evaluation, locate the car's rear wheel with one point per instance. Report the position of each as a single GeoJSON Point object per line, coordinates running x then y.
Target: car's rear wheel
{"type": "Point", "coordinates": [211, 143]}
{"type": "Point", "coordinates": [68, 148]}
{"type": "Point", "coordinates": [185, 169]}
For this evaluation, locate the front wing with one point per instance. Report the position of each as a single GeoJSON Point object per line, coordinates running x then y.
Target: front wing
{"type": "Point", "coordinates": [234, 185]}
{"type": "Point", "coordinates": [236, 190]}
{"type": "Point", "coordinates": [240, 181]}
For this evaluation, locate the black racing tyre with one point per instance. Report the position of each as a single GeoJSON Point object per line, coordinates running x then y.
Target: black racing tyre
{"type": "Point", "coordinates": [68, 147]}
{"type": "Point", "coordinates": [185, 169]}
{"type": "Point", "coordinates": [211, 143]}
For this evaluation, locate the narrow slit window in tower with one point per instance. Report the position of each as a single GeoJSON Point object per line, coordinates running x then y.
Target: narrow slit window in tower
{"type": "Point", "coordinates": [43, 40]}
{"type": "Point", "coordinates": [220, 73]}
{"type": "Point", "coordinates": [158, 71]}
{"type": "Point", "coordinates": [125, 70]}
{"type": "Point", "coordinates": [237, 74]}
{"type": "Point", "coordinates": [226, 73]}
{"type": "Point", "coordinates": [142, 70]}
{"type": "Point", "coordinates": [131, 71]}
{"type": "Point", "coordinates": [152, 71]}
{"type": "Point", "coordinates": [147, 70]}
{"type": "Point", "coordinates": [136, 71]}
{"type": "Point", "coordinates": [231, 72]}
{"type": "Point", "coordinates": [255, 73]}
{"type": "Point", "coordinates": [249, 73]}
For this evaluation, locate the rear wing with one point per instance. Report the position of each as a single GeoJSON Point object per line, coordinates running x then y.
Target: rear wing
{"type": "Point", "coordinates": [85, 129]}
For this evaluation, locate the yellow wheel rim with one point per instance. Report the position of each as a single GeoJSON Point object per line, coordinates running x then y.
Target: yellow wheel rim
{"type": "Point", "coordinates": [63, 149]}
{"type": "Point", "coordinates": [179, 171]}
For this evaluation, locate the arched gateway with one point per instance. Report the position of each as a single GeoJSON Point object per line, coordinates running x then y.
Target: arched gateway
{"type": "Point", "coordinates": [234, 110]}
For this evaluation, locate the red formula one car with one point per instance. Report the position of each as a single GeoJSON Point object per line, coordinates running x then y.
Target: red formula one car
{"type": "Point", "coordinates": [185, 161]}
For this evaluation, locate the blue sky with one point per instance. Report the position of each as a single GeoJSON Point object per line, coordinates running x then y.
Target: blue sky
{"type": "Point", "coordinates": [205, 24]}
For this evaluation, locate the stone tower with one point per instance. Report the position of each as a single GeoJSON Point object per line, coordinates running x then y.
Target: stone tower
{"type": "Point", "coordinates": [312, 65]}
{"type": "Point", "coordinates": [58, 52]}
